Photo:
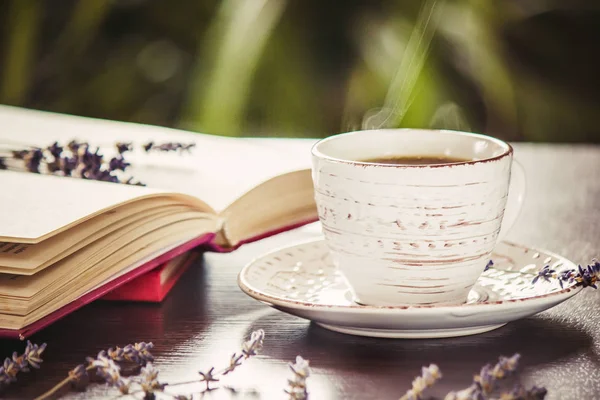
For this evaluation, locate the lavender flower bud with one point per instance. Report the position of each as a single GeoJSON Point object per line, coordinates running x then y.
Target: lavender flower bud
{"type": "Point", "coordinates": [545, 274]}
{"type": "Point", "coordinates": [74, 145]}
{"type": "Point", "coordinates": [297, 389]}
{"type": "Point", "coordinates": [33, 354]}
{"type": "Point", "coordinates": [77, 373]}
{"type": "Point", "coordinates": [20, 363]}
{"type": "Point", "coordinates": [208, 377]}
{"type": "Point", "coordinates": [55, 150]}
{"type": "Point", "coordinates": [33, 158]}
{"type": "Point", "coordinates": [429, 375]}
{"type": "Point", "coordinates": [118, 163]}
{"type": "Point", "coordinates": [8, 371]}
{"type": "Point", "coordinates": [123, 147]}
{"type": "Point", "coordinates": [254, 345]}
{"type": "Point", "coordinates": [123, 385]}
{"type": "Point", "coordinates": [106, 368]}
{"type": "Point", "coordinates": [149, 381]}
{"type": "Point", "coordinates": [234, 362]}
{"type": "Point", "coordinates": [139, 353]}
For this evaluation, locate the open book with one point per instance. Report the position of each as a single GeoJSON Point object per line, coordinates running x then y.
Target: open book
{"type": "Point", "coordinates": [62, 239]}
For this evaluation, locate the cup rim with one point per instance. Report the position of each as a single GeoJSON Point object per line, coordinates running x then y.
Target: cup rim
{"type": "Point", "coordinates": [508, 149]}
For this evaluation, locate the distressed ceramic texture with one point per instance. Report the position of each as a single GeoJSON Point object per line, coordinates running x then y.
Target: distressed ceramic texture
{"type": "Point", "coordinates": [411, 234]}
{"type": "Point", "coordinates": [302, 280]}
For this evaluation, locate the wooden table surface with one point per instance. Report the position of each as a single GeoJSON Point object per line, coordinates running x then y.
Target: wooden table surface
{"type": "Point", "coordinates": [207, 317]}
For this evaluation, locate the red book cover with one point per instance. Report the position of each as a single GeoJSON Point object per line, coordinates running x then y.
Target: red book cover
{"type": "Point", "coordinates": [150, 288]}
{"type": "Point", "coordinates": [154, 286]}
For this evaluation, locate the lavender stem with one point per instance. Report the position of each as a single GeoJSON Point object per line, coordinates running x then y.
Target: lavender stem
{"type": "Point", "coordinates": [59, 386]}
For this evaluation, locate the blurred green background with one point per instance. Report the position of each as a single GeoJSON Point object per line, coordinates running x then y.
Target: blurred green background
{"type": "Point", "coordinates": [517, 69]}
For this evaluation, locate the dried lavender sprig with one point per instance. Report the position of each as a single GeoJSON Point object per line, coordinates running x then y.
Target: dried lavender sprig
{"type": "Point", "coordinates": [77, 160]}
{"type": "Point", "coordinates": [297, 389]}
{"type": "Point", "coordinates": [485, 382]}
{"type": "Point", "coordinates": [149, 376]}
{"type": "Point", "coordinates": [250, 348]}
{"type": "Point", "coordinates": [31, 357]}
{"type": "Point", "coordinates": [106, 366]}
{"type": "Point", "coordinates": [138, 353]}
{"type": "Point", "coordinates": [429, 376]}
{"type": "Point", "coordinates": [585, 277]}
{"type": "Point", "coordinates": [150, 385]}
{"type": "Point", "coordinates": [80, 160]}
{"type": "Point", "coordinates": [169, 146]}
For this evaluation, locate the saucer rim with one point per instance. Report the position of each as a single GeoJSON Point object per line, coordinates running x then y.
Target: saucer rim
{"type": "Point", "coordinates": [560, 295]}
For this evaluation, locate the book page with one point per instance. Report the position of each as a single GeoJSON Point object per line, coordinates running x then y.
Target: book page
{"type": "Point", "coordinates": [75, 285]}
{"type": "Point", "coordinates": [275, 205]}
{"type": "Point", "coordinates": [223, 168]}
{"type": "Point", "coordinates": [35, 257]}
{"type": "Point", "coordinates": [14, 287]}
{"type": "Point", "coordinates": [218, 170]}
{"type": "Point", "coordinates": [34, 205]}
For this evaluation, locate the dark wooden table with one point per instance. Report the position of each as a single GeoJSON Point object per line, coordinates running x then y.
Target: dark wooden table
{"type": "Point", "coordinates": [207, 317]}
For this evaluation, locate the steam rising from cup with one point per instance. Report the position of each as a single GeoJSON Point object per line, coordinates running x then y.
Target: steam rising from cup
{"type": "Point", "coordinates": [401, 94]}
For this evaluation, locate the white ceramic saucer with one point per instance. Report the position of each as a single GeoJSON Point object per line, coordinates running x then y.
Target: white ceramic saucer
{"type": "Point", "coordinates": [301, 280]}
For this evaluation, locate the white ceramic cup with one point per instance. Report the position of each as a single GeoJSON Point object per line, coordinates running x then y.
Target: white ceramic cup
{"type": "Point", "coordinates": [414, 234]}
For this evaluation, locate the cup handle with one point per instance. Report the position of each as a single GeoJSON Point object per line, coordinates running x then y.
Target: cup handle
{"type": "Point", "coordinates": [516, 196]}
